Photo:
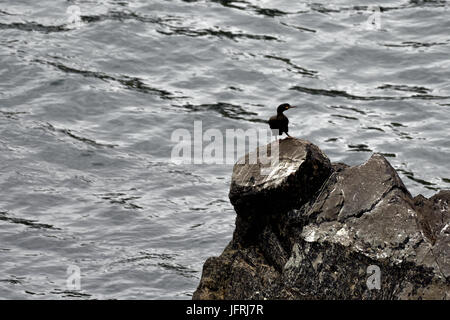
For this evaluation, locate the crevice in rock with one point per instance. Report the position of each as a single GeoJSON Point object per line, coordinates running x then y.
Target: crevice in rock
{"type": "Point", "coordinates": [378, 201]}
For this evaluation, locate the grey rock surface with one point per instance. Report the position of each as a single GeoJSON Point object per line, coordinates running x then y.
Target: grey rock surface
{"type": "Point", "coordinates": [313, 230]}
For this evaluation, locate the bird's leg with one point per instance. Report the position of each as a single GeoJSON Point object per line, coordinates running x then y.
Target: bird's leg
{"type": "Point", "coordinates": [276, 132]}
{"type": "Point", "coordinates": [288, 135]}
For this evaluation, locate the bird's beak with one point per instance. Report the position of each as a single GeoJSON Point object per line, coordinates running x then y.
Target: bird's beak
{"type": "Point", "coordinates": [290, 107]}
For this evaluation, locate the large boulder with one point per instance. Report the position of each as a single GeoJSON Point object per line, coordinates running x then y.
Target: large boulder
{"type": "Point", "coordinates": [262, 191]}
{"type": "Point", "coordinates": [317, 230]}
{"type": "Point", "coordinates": [299, 170]}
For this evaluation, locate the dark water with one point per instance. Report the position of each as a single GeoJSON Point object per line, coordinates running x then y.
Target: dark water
{"type": "Point", "coordinates": [87, 110]}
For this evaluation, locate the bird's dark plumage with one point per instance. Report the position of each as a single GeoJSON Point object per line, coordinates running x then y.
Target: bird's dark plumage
{"type": "Point", "coordinates": [280, 121]}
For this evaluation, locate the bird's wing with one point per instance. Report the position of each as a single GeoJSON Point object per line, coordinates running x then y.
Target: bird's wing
{"type": "Point", "coordinates": [284, 126]}
{"type": "Point", "coordinates": [272, 122]}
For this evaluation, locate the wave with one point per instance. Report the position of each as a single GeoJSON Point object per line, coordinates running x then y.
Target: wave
{"type": "Point", "coordinates": [344, 94]}
{"type": "Point", "coordinates": [131, 83]}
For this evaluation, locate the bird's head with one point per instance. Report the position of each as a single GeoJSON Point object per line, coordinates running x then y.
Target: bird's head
{"type": "Point", "coordinates": [283, 107]}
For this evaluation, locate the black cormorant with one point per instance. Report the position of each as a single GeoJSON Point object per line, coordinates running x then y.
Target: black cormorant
{"type": "Point", "coordinates": [280, 121]}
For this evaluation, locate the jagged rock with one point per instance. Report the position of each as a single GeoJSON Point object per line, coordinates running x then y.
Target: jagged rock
{"type": "Point", "coordinates": [356, 190]}
{"type": "Point", "coordinates": [433, 217]}
{"type": "Point", "coordinates": [261, 192]}
{"type": "Point", "coordinates": [300, 171]}
{"type": "Point", "coordinates": [321, 244]}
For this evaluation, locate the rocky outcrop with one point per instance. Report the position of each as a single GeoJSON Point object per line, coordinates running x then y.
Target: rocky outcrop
{"type": "Point", "coordinates": [310, 229]}
{"type": "Point", "coordinates": [262, 192]}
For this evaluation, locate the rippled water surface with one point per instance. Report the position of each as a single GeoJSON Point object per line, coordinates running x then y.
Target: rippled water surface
{"type": "Point", "coordinates": [88, 105]}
